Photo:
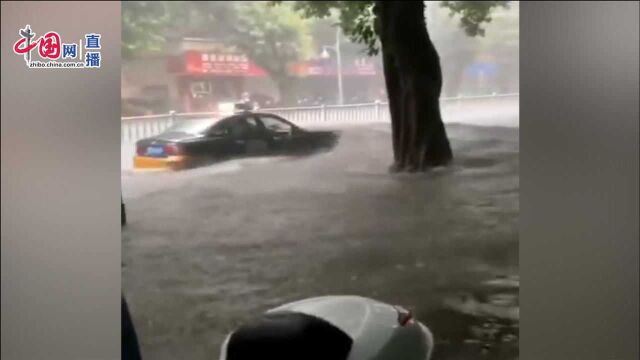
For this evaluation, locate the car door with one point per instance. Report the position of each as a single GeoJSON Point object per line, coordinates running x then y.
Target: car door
{"type": "Point", "coordinates": [281, 135]}
{"type": "Point", "coordinates": [257, 143]}
{"type": "Point", "coordinates": [226, 139]}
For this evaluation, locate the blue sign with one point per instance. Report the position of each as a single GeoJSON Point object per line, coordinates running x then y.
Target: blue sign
{"type": "Point", "coordinates": [487, 69]}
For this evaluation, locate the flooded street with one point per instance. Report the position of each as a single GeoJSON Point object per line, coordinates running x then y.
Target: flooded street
{"type": "Point", "coordinates": [208, 248]}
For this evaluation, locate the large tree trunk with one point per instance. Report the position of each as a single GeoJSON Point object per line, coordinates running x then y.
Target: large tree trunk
{"type": "Point", "coordinates": [414, 81]}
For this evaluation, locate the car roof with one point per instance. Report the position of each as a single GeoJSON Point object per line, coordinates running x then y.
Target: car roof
{"type": "Point", "coordinates": [247, 113]}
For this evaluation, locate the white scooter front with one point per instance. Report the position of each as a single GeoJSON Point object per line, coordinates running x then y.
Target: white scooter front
{"type": "Point", "coordinates": [331, 328]}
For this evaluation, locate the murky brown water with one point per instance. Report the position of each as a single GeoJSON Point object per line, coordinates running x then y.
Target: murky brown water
{"type": "Point", "coordinates": [207, 248]}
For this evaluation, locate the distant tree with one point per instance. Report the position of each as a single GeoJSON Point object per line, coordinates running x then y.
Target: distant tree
{"type": "Point", "coordinates": [272, 37]}
{"type": "Point", "coordinates": [457, 50]}
{"type": "Point", "coordinates": [412, 69]}
{"type": "Point", "coordinates": [503, 41]}
{"type": "Point", "coordinates": [143, 27]}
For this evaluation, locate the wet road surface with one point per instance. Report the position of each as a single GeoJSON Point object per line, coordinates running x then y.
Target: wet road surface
{"type": "Point", "coordinates": [208, 248]}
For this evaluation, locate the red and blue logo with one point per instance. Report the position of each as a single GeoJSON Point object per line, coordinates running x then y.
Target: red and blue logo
{"type": "Point", "coordinates": [53, 53]}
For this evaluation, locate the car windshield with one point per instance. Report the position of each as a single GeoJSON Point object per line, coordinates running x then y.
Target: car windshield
{"type": "Point", "coordinates": [191, 126]}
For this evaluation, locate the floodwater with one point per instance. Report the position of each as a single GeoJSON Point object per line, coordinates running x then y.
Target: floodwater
{"type": "Point", "coordinates": [208, 248]}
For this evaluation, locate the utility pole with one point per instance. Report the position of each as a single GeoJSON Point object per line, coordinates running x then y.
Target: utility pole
{"type": "Point", "coordinates": [339, 60]}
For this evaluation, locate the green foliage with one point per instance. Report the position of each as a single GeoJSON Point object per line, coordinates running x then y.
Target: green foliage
{"type": "Point", "coordinates": [503, 32]}
{"type": "Point", "coordinates": [357, 17]}
{"type": "Point", "coordinates": [457, 50]}
{"type": "Point", "coordinates": [473, 14]}
{"type": "Point", "coordinates": [143, 23]}
{"type": "Point", "coordinates": [271, 35]}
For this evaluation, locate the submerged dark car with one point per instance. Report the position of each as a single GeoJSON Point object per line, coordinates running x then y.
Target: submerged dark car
{"type": "Point", "coordinates": [194, 142]}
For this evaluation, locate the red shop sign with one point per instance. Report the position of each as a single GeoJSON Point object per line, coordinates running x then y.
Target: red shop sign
{"type": "Point", "coordinates": [358, 67]}
{"type": "Point", "coordinates": [197, 62]}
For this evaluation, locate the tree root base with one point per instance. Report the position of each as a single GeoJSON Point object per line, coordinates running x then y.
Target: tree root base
{"type": "Point", "coordinates": [398, 168]}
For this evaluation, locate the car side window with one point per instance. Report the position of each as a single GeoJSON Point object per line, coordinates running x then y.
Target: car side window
{"type": "Point", "coordinates": [254, 127]}
{"type": "Point", "coordinates": [238, 127]}
{"type": "Point", "coordinates": [235, 127]}
{"type": "Point", "coordinates": [275, 125]}
{"type": "Point", "coordinates": [252, 124]}
{"type": "Point", "coordinates": [220, 128]}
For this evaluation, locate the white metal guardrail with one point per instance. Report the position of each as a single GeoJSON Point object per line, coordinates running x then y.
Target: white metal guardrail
{"type": "Point", "coordinates": [139, 127]}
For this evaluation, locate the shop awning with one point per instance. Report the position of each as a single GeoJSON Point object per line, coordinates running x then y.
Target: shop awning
{"type": "Point", "coordinates": [197, 62]}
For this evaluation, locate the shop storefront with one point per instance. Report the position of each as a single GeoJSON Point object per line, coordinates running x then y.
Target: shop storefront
{"type": "Point", "coordinates": [318, 81]}
{"type": "Point", "coordinates": [207, 78]}
{"type": "Point", "coordinates": [210, 73]}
